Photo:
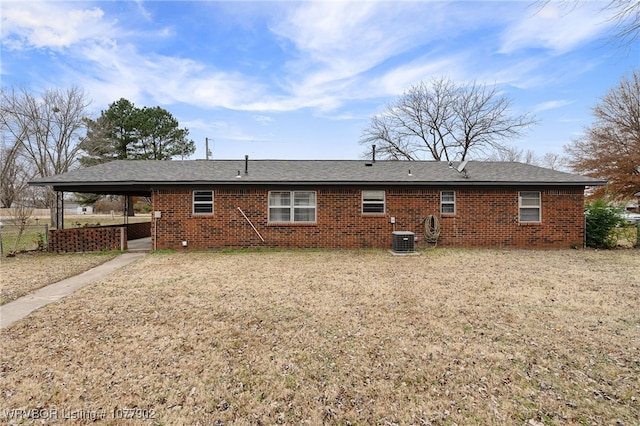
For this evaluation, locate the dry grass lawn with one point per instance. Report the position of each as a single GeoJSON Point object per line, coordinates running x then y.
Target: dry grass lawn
{"type": "Point", "coordinates": [467, 337]}
{"type": "Point", "coordinates": [27, 272]}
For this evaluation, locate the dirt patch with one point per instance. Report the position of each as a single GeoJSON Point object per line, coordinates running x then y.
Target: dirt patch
{"type": "Point", "coordinates": [28, 272]}
{"type": "Point", "coordinates": [451, 336]}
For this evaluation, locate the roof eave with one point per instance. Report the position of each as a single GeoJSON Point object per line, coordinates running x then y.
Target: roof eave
{"type": "Point", "coordinates": [147, 185]}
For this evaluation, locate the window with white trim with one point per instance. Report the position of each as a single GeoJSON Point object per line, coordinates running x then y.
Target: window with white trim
{"type": "Point", "coordinates": [529, 204]}
{"type": "Point", "coordinates": [202, 202]}
{"type": "Point", "coordinates": [447, 202]}
{"type": "Point", "coordinates": [373, 202]}
{"type": "Point", "coordinates": [292, 206]}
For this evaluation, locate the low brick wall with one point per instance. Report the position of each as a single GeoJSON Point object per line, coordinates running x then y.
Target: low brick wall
{"type": "Point", "coordinates": [98, 238]}
{"type": "Point", "coordinates": [76, 240]}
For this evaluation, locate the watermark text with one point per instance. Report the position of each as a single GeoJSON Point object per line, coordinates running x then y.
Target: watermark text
{"type": "Point", "coordinates": [119, 413]}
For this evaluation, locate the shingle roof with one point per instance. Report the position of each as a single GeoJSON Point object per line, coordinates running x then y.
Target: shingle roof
{"type": "Point", "coordinates": [134, 176]}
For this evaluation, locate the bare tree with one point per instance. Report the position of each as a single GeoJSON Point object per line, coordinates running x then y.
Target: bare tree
{"type": "Point", "coordinates": [20, 216]}
{"type": "Point", "coordinates": [554, 161]}
{"type": "Point", "coordinates": [514, 154]}
{"type": "Point", "coordinates": [625, 16]}
{"type": "Point", "coordinates": [445, 121]}
{"type": "Point", "coordinates": [14, 174]}
{"type": "Point", "coordinates": [550, 160]}
{"type": "Point", "coordinates": [46, 128]}
{"type": "Point", "coordinates": [627, 19]}
{"type": "Point", "coordinates": [610, 147]}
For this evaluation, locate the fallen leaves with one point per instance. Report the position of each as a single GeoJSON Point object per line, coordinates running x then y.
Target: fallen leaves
{"type": "Point", "coordinates": [342, 337]}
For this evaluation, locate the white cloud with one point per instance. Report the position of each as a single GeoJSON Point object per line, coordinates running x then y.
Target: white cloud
{"type": "Point", "coordinates": [112, 71]}
{"type": "Point", "coordinates": [342, 51]}
{"type": "Point", "coordinates": [549, 105]}
{"type": "Point", "coordinates": [215, 88]}
{"type": "Point", "coordinates": [399, 79]}
{"type": "Point", "coordinates": [208, 126]}
{"type": "Point", "coordinates": [36, 24]}
{"type": "Point", "coordinates": [338, 45]}
{"type": "Point", "coordinates": [264, 119]}
{"type": "Point", "coordinates": [338, 41]}
{"type": "Point", "coordinates": [556, 28]}
{"type": "Point", "coordinates": [359, 50]}
{"type": "Point", "coordinates": [142, 10]}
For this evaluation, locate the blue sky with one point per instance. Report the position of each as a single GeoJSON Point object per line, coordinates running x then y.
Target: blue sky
{"type": "Point", "coordinates": [301, 80]}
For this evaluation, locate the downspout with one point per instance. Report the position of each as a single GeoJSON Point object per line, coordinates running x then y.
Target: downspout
{"type": "Point", "coordinates": [155, 221]}
{"type": "Point", "coordinates": [584, 230]}
{"type": "Point", "coordinates": [155, 232]}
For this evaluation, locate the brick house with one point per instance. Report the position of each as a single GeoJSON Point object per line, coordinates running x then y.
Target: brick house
{"type": "Point", "coordinates": [345, 204]}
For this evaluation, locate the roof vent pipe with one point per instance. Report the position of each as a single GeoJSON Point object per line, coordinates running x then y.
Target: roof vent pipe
{"type": "Point", "coordinates": [373, 153]}
{"type": "Point", "coordinates": [246, 164]}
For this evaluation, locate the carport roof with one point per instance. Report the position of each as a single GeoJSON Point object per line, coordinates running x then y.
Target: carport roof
{"type": "Point", "coordinates": [133, 177]}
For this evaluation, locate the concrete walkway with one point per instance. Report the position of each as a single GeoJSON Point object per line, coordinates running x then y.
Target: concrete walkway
{"type": "Point", "coordinates": [20, 308]}
{"type": "Point", "coordinates": [141, 244]}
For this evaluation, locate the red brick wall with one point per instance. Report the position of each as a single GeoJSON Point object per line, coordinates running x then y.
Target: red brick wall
{"type": "Point", "coordinates": [99, 238]}
{"type": "Point", "coordinates": [75, 240]}
{"type": "Point", "coordinates": [485, 217]}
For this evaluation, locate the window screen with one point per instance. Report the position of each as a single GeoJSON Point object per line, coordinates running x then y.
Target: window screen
{"type": "Point", "coordinates": [373, 202]}
{"type": "Point", "coordinates": [529, 204]}
{"type": "Point", "coordinates": [292, 206]}
{"type": "Point", "coordinates": [447, 202]}
{"type": "Point", "coordinates": [203, 202]}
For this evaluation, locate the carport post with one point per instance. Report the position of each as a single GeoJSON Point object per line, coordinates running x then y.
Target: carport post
{"type": "Point", "coordinates": [125, 210]}
{"type": "Point", "coordinates": [59, 210]}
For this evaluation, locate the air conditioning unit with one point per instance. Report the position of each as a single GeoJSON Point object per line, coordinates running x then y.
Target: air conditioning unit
{"type": "Point", "coordinates": [403, 242]}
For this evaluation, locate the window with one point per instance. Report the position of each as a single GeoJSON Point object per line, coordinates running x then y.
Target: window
{"type": "Point", "coordinates": [202, 202]}
{"type": "Point", "coordinates": [529, 204]}
{"type": "Point", "coordinates": [372, 202]}
{"type": "Point", "coordinates": [447, 202]}
{"type": "Point", "coordinates": [292, 206]}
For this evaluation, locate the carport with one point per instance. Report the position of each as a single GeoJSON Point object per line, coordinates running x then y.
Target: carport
{"type": "Point", "coordinates": [114, 237]}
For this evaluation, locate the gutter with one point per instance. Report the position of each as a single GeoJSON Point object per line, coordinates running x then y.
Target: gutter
{"type": "Point", "coordinates": [165, 184]}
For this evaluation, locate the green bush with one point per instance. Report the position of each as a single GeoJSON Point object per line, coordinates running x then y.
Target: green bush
{"type": "Point", "coordinates": [601, 220]}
